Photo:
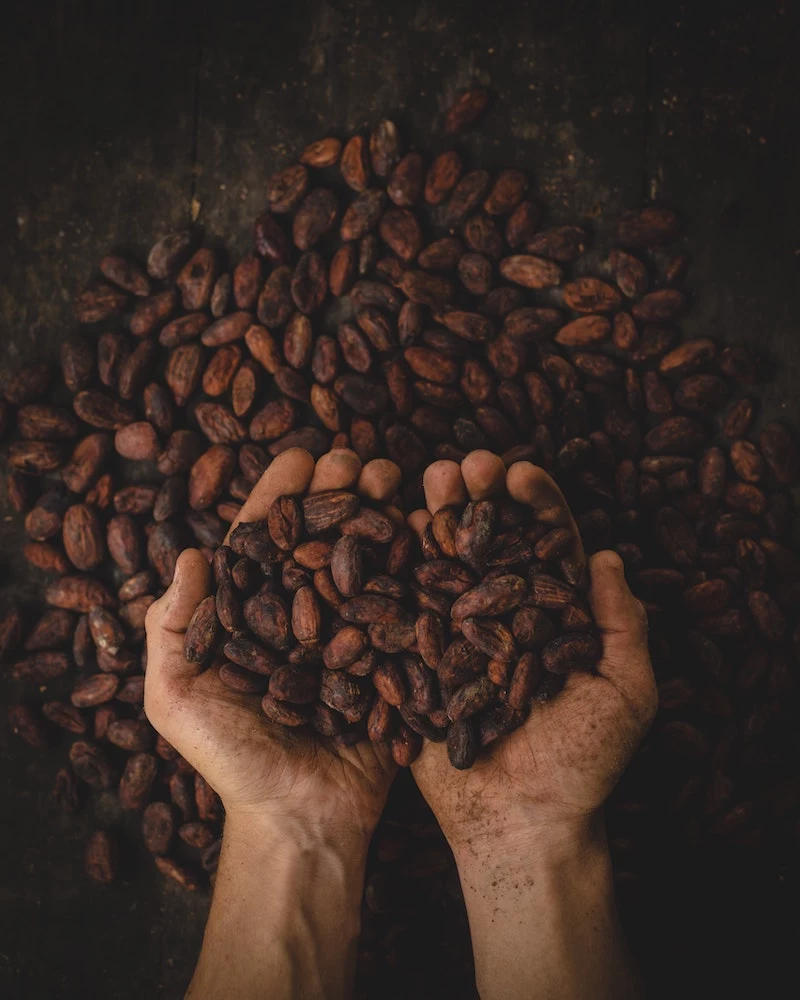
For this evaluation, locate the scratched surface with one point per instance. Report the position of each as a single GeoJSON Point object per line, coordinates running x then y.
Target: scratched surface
{"type": "Point", "coordinates": [118, 128]}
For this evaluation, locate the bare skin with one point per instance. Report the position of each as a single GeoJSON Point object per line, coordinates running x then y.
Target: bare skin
{"type": "Point", "coordinates": [525, 823]}
{"type": "Point", "coordinates": [299, 813]}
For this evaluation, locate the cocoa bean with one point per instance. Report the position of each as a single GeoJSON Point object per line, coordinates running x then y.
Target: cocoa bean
{"type": "Point", "coordinates": [589, 295]}
{"type": "Point", "coordinates": [560, 243]}
{"type": "Point", "coordinates": [470, 699]}
{"type": "Point", "coordinates": [101, 857]}
{"type": "Point", "coordinates": [99, 303]}
{"type": "Point", "coordinates": [94, 690]}
{"type": "Point", "coordinates": [429, 632]}
{"type": "Point", "coordinates": [490, 637]}
{"type": "Point", "coordinates": [158, 827]}
{"type": "Point", "coordinates": [369, 609]}
{"type": "Point", "coordinates": [171, 869]}
{"type": "Point", "coordinates": [53, 629]}
{"type": "Point", "coordinates": [315, 217]}
{"type": "Point", "coordinates": [650, 226]}
{"type": "Point", "coordinates": [322, 153]}
{"type": "Point", "coordinates": [462, 745]}
{"type": "Point", "coordinates": [443, 175]}
{"type": "Point", "coordinates": [168, 254]}
{"type": "Point", "coordinates": [780, 452]}
{"type": "Point", "coordinates": [579, 651]}
{"type": "Point", "coordinates": [461, 114]}
{"type": "Point", "coordinates": [524, 681]}
{"type": "Point", "coordinates": [35, 457]}
{"type": "Point", "coordinates": [137, 780]}
{"type": "Point", "coordinates": [324, 510]}
{"type": "Point", "coordinates": [286, 188]}
{"type": "Point", "coordinates": [183, 329]}
{"type": "Point", "coordinates": [196, 279]}
{"type": "Point", "coordinates": [131, 735]}
{"type": "Point", "coordinates": [220, 295]}
{"type": "Point", "coordinates": [531, 272]}
{"type": "Point", "coordinates": [29, 384]}
{"type": "Point", "coordinates": [202, 633]}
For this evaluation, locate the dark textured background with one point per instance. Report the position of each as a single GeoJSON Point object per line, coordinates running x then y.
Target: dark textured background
{"type": "Point", "coordinates": [113, 125]}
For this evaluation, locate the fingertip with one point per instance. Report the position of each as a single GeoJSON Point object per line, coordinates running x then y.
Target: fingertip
{"type": "Point", "coordinates": [191, 582]}
{"type": "Point", "coordinates": [523, 479]}
{"type": "Point", "coordinates": [379, 480]}
{"type": "Point", "coordinates": [292, 455]}
{"type": "Point", "coordinates": [607, 578]}
{"type": "Point", "coordinates": [443, 484]}
{"type": "Point", "coordinates": [293, 467]}
{"type": "Point", "coordinates": [287, 474]}
{"type": "Point", "coordinates": [532, 485]}
{"type": "Point", "coordinates": [419, 520]}
{"type": "Point", "coordinates": [165, 624]}
{"type": "Point", "coordinates": [483, 472]}
{"type": "Point", "coordinates": [614, 605]}
{"type": "Point", "coordinates": [339, 469]}
{"type": "Point", "coordinates": [606, 561]}
{"type": "Point", "coordinates": [190, 559]}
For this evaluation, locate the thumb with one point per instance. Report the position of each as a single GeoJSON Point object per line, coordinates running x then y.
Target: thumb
{"type": "Point", "coordinates": [623, 623]}
{"type": "Point", "coordinates": [169, 616]}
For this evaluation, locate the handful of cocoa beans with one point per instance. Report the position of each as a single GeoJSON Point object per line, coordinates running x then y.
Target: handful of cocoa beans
{"type": "Point", "coordinates": [309, 612]}
{"type": "Point", "coordinates": [504, 616]}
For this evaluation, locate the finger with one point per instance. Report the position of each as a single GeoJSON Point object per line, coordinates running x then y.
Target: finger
{"type": "Point", "coordinates": [530, 484]}
{"type": "Point", "coordinates": [430, 765]}
{"type": "Point", "coordinates": [168, 617]}
{"type": "Point", "coordinates": [379, 480]}
{"type": "Point", "coordinates": [484, 474]}
{"type": "Point", "coordinates": [395, 515]}
{"type": "Point", "coordinates": [443, 485]}
{"type": "Point", "coordinates": [419, 520]}
{"type": "Point", "coordinates": [288, 474]}
{"type": "Point", "coordinates": [366, 755]}
{"type": "Point", "coordinates": [338, 470]}
{"type": "Point", "coordinates": [623, 623]}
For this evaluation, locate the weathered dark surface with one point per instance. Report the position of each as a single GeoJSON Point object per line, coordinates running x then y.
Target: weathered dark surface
{"type": "Point", "coordinates": [112, 128]}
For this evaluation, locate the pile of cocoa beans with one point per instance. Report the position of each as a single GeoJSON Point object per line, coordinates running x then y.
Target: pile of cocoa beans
{"type": "Point", "coordinates": [414, 309]}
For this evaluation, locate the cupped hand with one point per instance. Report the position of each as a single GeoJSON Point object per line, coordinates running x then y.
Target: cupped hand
{"type": "Point", "coordinates": [260, 769]}
{"type": "Point", "coordinates": [554, 773]}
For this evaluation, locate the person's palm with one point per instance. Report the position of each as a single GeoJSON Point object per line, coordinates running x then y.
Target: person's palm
{"type": "Point", "coordinates": [255, 765]}
{"type": "Point", "coordinates": [561, 765]}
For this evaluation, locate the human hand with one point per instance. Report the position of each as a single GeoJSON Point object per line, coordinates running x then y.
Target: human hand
{"type": "Point", "coordinates": [546, 781]}
{"type": "Point", "coordinates": [261, 771]}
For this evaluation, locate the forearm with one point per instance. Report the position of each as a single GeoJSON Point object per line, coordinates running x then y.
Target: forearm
{"type": "Point", "coordinates": [285, 916]}
{"type": "Point", "coordinates": [543, 919]}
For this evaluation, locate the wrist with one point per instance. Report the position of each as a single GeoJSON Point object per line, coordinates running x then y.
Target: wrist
{"type": "Point", "coordinates": [280, 839]}
{"type": "Point", "coordinates": [540, 902]}
{"type": "Point", "coordinates": [530, 845]}
{"type": "Point", "coordinates": [286, 912]}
